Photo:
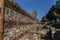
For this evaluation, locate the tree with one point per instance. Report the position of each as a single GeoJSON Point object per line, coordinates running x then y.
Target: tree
{"type": "Point", "coordinates": [53, 14]}
{"type": "Point", "coordinates": [44, 19]}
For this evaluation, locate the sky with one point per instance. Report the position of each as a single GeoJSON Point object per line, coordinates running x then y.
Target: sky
{"type": "Point", "coordinates": [41, 6]}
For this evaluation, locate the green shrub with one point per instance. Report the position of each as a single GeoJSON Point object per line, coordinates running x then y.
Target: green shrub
{"type": "Point", "coordinates": [42, 36]}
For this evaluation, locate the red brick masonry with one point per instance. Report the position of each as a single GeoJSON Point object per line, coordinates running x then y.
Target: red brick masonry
{"type": "Point", "coordinates": [1, 19]}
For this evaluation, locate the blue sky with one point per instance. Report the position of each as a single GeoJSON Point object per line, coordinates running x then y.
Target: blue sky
{"type": "Point", "coordinates": [41, 6]}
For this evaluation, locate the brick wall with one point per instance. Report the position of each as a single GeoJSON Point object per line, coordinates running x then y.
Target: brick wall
{"type": "Point", "coordinates": [1, 18]}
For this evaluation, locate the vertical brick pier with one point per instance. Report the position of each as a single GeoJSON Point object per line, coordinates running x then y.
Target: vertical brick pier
{"type": "Point", "coordinates": [1, 18]}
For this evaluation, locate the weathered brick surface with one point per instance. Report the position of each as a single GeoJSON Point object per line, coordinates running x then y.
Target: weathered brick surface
{"type": "Point", "coordinates": [1, 18]}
